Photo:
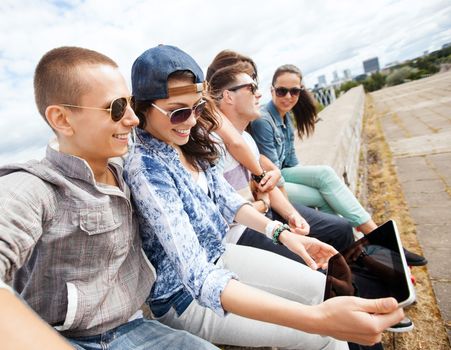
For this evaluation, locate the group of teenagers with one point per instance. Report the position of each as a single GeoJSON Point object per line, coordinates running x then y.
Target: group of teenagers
{"type": "Point", "coordinates": [186, 196]}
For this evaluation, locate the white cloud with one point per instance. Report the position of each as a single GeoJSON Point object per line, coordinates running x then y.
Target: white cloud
{"type": "Point", "coordinates": [319, 37]}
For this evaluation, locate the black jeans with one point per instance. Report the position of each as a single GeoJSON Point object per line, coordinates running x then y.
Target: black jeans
{"type": "Point", "coordinates": [328, 228]}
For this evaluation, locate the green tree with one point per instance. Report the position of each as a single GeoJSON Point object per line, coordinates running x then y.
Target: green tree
{"type": "Point", "coordinates": [399, 76]}
{"type": "Point", "coordinates": [348, 85]}
{"type": "Point", "coordinates": [375, 82]}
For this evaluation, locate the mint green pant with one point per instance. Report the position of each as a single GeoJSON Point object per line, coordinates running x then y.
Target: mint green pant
{"type": "Point", "coordinates": [318, 186]}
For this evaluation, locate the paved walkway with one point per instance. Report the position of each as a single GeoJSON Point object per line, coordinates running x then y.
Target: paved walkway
{"type": "Point", "coordinates": [417, 125]}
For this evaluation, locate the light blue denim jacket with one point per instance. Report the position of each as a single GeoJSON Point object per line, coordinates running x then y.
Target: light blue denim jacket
{"type": "Point", "coordinates": [181, 226]}
{"type": "Point", "coordinates": [275, 139]}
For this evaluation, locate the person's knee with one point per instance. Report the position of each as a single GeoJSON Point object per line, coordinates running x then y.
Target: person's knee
{"type": "Point", "coordinates": [343, 234]}
{"type": "Point", "coordinates": [327, 174]}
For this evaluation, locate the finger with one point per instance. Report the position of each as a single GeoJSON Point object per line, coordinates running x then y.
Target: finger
{"type": "Point", "coordinates": [389, 319]}
{"type": "Point", "coordinates": [323, 261]}
{"type": "Point", "coordinates": [378, 306]}
{"type": "Point", "coordinates": [323, 265]}
{"type": "Point", "coordinates": [331, 251]}
{"type": "Point", "coordinates": [267, 185]}
{"type": "Point", "coordinates": [263, 186]}
{"type": "Point", "coordinates": [302, 252]}
{"type": "Point", "coordinates": [265, 179]}
{"type": "Point", "coordinates": [327, 250]}
{"type": "Point", "coordinates": [299, 231]}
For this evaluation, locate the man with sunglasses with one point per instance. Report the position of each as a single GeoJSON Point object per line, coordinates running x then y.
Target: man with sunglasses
{"type": "Point", "coordinates": [68, 237]}
{"type": "Point", "coordinates": [237, 97]}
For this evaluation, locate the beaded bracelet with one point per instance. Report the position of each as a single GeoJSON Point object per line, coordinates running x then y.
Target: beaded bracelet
{"type": "Point", "coordinates": [278, 231]}
{"type": "Point", "coordinates": [270, 227]}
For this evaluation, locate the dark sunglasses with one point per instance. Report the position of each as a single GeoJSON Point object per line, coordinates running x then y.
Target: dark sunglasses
{"type": "Point", "coordinates": [117, 107]}
{"type": "Point", "coordinates": [282, 91]}
{"type": "Point", "coordinates": [182, 114]}
{"type": "Point", "coordinates": [252, 87]}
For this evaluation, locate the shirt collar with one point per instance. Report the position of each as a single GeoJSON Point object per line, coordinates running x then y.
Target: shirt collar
{"type": "Point", "coordinates": [151, 143]}
{"type": "Point", "coordinates": [75, 167]}
{"type": "Point", "coordinates": [275, 114]}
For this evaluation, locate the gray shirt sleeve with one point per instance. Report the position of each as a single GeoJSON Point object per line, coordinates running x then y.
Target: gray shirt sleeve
{"type": "Point", "coordinates": [25, 201]}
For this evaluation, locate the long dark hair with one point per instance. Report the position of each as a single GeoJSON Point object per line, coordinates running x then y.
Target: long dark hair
{"type": "Point", "coordinates": [200, 150]}
{"type": "Point", "coordinates": [304, 111]}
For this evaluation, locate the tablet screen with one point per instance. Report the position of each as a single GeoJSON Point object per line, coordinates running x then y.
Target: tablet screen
{"type": "Point", "coordinates": [377, 259]}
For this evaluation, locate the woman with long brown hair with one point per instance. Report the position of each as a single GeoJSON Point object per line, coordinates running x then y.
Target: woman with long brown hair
{"type": "Point", "coordinates": [184, 207]}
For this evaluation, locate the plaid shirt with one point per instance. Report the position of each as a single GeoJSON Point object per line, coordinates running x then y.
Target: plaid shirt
{"type": "Point", "coordinates": [71, 245]}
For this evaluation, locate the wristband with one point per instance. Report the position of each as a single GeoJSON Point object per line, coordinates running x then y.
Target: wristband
{"type": "Point", "coordinates": [265, 204]}
{"type": "Point", "coordinates": [258, 178]}
{"type": "Point", "coordinates": [270, 227]}
{"type": "Point", "coordinates": [278, 231]}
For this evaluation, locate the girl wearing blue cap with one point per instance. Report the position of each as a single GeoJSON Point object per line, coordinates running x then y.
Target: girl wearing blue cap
{"type": "Point", "coordinates": [223, 292]}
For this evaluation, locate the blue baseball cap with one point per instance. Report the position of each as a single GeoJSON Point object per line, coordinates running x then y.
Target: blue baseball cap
{"type": "Point", "coordinates": [151, 70]}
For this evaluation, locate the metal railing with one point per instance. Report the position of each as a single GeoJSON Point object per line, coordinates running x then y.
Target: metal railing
{"type": "Point", "coordinates": [325, 95]}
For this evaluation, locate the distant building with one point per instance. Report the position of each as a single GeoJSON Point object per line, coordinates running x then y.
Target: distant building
{"type": "Point", "coordinates": [347, 74]}
{"type": "Point", "coordinates": [371, 65]}
{"type": "Point", "coordinates": [391, 64]}
{"type": "Point", "coordinates": [389, 67]}
{"type": "Point", "coordinates": [322, 80]}
{"type": "Point", "coordinates": [335, 75]}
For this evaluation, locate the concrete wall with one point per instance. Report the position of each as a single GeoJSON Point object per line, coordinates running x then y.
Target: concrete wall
{"type": "Point", "coordinates": [337, 137]}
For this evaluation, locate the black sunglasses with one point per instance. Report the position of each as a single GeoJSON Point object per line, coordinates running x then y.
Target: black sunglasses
{"type": "Point", "coordinates": [282, 91]}
{"type": "Point", "coordinates": [182, 114]}
{"type": "Point", "coordinates": [252, 87]}
{"type": "Point", "coordinates": [117, 107]}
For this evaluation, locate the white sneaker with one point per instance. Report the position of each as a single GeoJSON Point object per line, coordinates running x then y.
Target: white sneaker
{"type": "Point", "coordinates": [405, 325]}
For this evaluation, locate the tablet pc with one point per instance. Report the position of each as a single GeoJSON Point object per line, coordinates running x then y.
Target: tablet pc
{"type": "Point", "coordinates": [379, 255]}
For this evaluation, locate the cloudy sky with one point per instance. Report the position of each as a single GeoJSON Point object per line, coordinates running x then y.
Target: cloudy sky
{"type": "Point", "coordinates": [320, 37]}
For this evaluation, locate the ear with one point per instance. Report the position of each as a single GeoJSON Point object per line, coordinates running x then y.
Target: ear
{"type": "Point", "coordinates": [227, 97]}
{"type": "Point", "coordinates": [59, 119]}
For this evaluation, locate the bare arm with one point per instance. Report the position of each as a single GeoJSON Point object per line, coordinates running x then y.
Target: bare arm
{"type": "Point", "coordinates": [285, 209]}
{"type": "Point", "coordinates": [273, 174]}
{"type": "Point", "coordinates": [16, 317]}
{"type": "Point", "coordinates": [237, 146]}
{"type": "Point", "coordinates": [345, 318]}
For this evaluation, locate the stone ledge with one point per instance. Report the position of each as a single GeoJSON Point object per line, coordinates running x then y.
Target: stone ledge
{"type": "Point", "coordinates": [337, 137]}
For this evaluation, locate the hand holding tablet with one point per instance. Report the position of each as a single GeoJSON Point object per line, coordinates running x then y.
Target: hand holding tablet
{"type": "Point", "coordinates": [379, 255]}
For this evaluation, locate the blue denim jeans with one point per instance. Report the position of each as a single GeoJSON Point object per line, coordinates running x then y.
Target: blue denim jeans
{"type": "Point", "coordinates": [319, 186]}
{"type": "Point", "coordinates": [142, 334]}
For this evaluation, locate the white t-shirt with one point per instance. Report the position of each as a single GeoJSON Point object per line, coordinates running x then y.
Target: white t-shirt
{"type": "Point", "coordinates": [238, 177]}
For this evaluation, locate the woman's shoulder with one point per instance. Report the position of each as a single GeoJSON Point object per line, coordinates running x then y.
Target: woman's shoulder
{"type": "Point", "coordinates": [265, 111]}
{"type": "Point", "coordinates": [265, 121]}
{"type": "Point", "coordinates": [141, 160]}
